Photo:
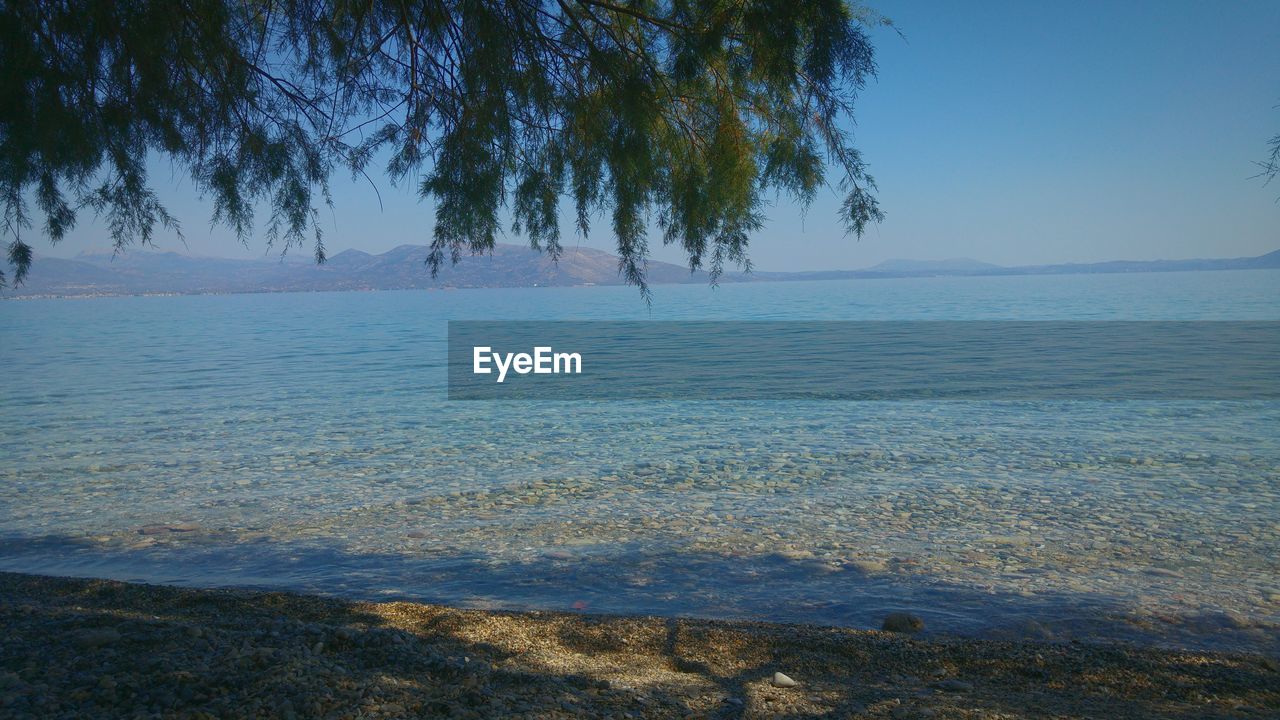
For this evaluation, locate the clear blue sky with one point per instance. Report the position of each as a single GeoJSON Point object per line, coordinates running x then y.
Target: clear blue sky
{"type": "Point", "coordinates": [1013, 132]}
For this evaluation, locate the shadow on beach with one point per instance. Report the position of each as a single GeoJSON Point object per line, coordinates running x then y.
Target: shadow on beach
{"type": "Point", "coordinates": [101, 648]}
{"type": "Point", "coordinates": [653, 581]}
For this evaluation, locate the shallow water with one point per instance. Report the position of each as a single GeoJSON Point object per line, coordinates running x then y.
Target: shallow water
{"type": "Point", "coordinates": [308, 437]}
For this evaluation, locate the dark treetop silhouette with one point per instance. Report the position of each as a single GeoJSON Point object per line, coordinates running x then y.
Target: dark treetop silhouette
{"type": "Point", "coordinates": [680, 112]}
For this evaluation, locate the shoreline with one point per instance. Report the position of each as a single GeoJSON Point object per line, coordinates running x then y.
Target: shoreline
{"type": "Point", "coordinates": [110, 649]}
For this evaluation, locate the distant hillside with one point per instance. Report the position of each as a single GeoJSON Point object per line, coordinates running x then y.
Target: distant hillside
{"type": "Point", "coordinates": [953, 265]}
{"type": "Point", "coordinates": [142, 272]}
{"type": "Point", "coordinates": [1270, 260]}
{"type": "Point", "coordinates": [969, 267]}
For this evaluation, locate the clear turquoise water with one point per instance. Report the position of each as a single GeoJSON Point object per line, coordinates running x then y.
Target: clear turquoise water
{"type": "Point", "coordinates": [308, 437]}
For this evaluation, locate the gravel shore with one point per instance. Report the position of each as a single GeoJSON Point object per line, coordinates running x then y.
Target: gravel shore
{"type": "Point", "coordinates": [93, 648]}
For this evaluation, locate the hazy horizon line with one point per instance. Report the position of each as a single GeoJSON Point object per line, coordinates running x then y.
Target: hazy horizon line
{"type": "Point", "coordinates": [303, 256]}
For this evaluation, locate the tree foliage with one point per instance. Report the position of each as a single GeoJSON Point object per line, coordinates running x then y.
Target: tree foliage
{"type": "Point", "coordinates": [672, 113]}
{"type": "Point", "coordinates": [1271, 166]}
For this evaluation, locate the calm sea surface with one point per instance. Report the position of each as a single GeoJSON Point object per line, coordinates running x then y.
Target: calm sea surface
{"type": "Point", "coordinates": [304, 441]}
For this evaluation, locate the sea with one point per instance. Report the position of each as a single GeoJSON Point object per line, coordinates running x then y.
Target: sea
{"type": "Point", "coordinates": [305, 442]}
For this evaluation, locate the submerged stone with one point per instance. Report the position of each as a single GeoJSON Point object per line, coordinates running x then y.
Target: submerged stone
{"type": "Point", "coordinates": [901, 622]}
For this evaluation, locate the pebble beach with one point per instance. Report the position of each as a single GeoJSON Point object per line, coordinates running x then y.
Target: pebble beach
{"type": "Point", "coordinates": [95, 648]}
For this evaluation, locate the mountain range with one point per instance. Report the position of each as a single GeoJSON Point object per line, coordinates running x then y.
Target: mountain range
{"type": "Point", "coordinates": [140, 272]}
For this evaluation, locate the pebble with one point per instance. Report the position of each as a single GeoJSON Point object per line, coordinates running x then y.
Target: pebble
{"type": "Point", "coordinates": [796, 554]}
{"type": "Point", "coordinates": [954, 686]}
{"type": "Point", "coordinates": [1033, 630]}
{"type": "Point", "coordinates": [901, 622]}
{"type": "Point", "coordinates": [782, 681]}
{"type": "Point", "coordinates": [867, 567]}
